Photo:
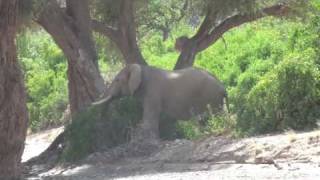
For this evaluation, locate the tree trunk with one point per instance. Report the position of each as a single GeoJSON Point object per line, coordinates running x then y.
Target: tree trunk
{"type": "Point", "coordinates": [127, 39]}
{"type": "Point", "coordinates": [127, 31]}
{"type": "Point", "coordinates": [13, 111]}
{"type": "Point", "coordinates": [187, 56]}
{"type": "Point", "coordinates": [71, 30]}
{"type": "Point", "coordinates": [131, 52]}
{"type": "Point", "coordinates": [208, 34]}
{"type": "Point", "coordinates": [124, 35]}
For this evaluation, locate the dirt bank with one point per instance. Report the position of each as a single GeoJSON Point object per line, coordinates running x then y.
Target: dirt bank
{"type": "Point", "coordinates": [285, 156]}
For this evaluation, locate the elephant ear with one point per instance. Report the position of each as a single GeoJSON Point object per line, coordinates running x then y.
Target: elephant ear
{"type": "Point", "coordinates": [135, 76]}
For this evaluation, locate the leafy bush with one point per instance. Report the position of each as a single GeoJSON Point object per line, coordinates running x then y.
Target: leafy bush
{"type": "Point", "coordinates": [188, 129]}
{"type": "Point", "coordinates": [253, 62]}
{"type": "Point", "coordinates": [284, 98]}
{"type": "Point", "coordinates": [101, 127]}
{"type": "Point", "coordinates": [45, 70]}
{"type": "Point", "coordinates": [220, 124]}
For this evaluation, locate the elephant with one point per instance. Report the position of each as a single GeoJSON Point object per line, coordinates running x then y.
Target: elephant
{"type": "Point", "coordinates": [179, 94]}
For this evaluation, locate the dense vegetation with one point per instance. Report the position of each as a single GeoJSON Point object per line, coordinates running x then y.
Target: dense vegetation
{"type": "Point", "coordinates": [45, 70]}
{"type": "Point", "coordinates": [271, 69]}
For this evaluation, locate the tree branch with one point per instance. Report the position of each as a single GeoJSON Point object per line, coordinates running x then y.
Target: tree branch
{"type": "Point", "coordinates": [204, 27]}
{"type": "Point", "coordinates": [51, 18]}
{"type": "Point", "coordinates": [237, 20]}
{"type": "Point", "coordinates": [106, 30]}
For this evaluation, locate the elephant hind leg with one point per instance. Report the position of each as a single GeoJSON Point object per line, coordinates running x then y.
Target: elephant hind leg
{"type": "Point", "coordinates": [144, 133]}
{"type": "Point", "coordinates": [145, 139]}
{"type": "Point", "coordinates": [148, 130]}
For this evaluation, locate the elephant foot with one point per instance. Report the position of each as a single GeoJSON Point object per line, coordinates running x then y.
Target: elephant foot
{"type": "Point", "coordinates": [144, 142]}
{"type": "Point", "coordinates": [143, 134]}
{"type": "Point", "coordinates": [143, 148]}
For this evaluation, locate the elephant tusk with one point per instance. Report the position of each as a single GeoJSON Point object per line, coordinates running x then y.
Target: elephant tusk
{"type": "Point", "coordinates": [102, 101]}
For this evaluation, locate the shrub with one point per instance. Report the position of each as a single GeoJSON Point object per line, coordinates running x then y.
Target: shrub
{"type": "Point", "coordinates": [101, 127]}
{"type": "Point", "coordinates": [220, 124]}
{"type": "Point", "coordinates": [45, 71]}
{"type": "Point", "coordinates": [284, 98]}
{"type": "Point", "coordinates": [188, 130]}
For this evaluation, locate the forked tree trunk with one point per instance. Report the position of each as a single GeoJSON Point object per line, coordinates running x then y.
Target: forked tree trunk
{"type": "Point", "coordinates": [208, 35]}
{"type": "Point", "coordinates": [124, 34]}
{"type": "Point", "coordinates": [128, 38]}
{"type": "Point", "coordinates": [186, 57]}
{"type": "Point", "coordinates": [13, 111]}
{"type": "Point", "coordinates": [130, 51]}
{"type": "Point", "coordinates": [71, 30]}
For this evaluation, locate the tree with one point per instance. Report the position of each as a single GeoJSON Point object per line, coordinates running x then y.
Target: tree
{"type": "Point", "coordinates": [216, 22]}
{"type": "Point", "coordinates": [219, 16]}
{"type": "Point", "coordinates": [162, 16]}
{"type": "Point", "coordinates": [121, 20]}
{"type": "Point", "coordinates": [118, 20]}
{"type": "Point", "coordinates": [69, 24]}
{"type": "Point", "coordinates": [13, 110]}
{"type": "Point", "coordinates": [70, 27]}
{"type": "Point", "coordinates": [121, 28]}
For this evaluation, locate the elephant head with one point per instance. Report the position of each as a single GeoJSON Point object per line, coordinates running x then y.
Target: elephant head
{"type": "Point", "coordinates": [126, 82]}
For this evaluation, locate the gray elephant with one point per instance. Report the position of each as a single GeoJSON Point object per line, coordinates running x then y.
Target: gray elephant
{"type": "Point", "coordinates": [179, 94]}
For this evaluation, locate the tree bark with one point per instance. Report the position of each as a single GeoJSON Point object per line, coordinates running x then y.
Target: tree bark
{"type": "Point", "coordinates": [71, 30]}
{"type": "Point", "coordinates": [124, 35]}
{"type": "Point", "coordinates": [187, 55]}
{"type": "Point", "coordinates": [13, 110]}
{"type": "Point", "coordinates": [127, 30]}
{"type": "Point", "coordinates": [206, 36]}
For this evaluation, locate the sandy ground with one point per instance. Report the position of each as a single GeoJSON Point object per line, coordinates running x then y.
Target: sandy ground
{"type": "Point", "coordinates": [37, 143]}
{"type": "Point", "coordinates": [284, 156]}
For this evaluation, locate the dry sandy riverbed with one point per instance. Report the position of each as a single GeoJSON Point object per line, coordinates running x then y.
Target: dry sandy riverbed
{"type": "Point", "coordinates": [284, 156]}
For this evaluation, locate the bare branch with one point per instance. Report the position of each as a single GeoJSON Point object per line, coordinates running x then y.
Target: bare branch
{"type": "Point", "coordinates": [237, 20]}
{"type": "Point", "coordinates": [106, 30]}
{"type": "Point", "coordinates": [204, 27]}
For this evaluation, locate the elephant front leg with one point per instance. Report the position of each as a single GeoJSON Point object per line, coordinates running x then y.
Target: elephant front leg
{"type": "Point", "coordinates": [148, 130]}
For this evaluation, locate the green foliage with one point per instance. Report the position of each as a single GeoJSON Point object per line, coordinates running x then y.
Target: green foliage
{"type": "Point", "coordinates": [270, 68]}
{"type": "Point", "coordinates": [109, 58]}
{"type": "Point", "coordinates": [171, 129]}
{"type": "Point", "coordinates": [158, 53]}
{"type": "Point", "coordinates": [79, 135]}
{"type": "Point", "coordinates": [284, 98]}
{"type": "Point", "coordinates": [45, 70]}
{"type": "Point", "coordinates": [257, 63]}
{"type": "Point", "coordinates": [283, 92]}
{"type": "Point", "coordinates": [160, 15]}
{"type": "Point", "coordinates": [188, 129]}
{"type": "Point", "coordinates": [101, 127]}
{"type": "Point", "coordinates": [219, 124]}
{"type": "Point", "coordinates": [105, 126]}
